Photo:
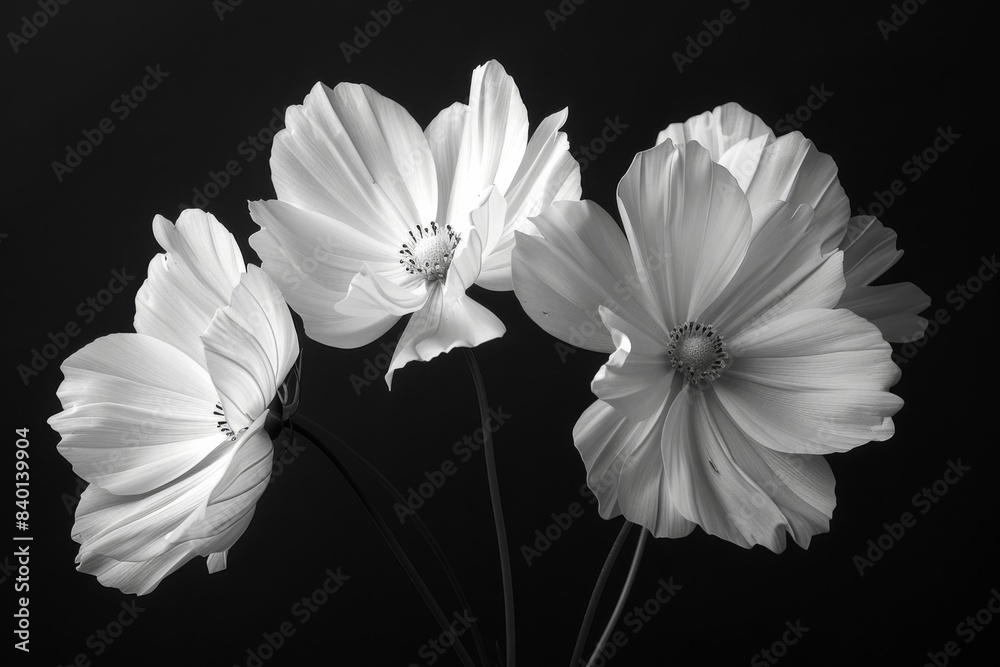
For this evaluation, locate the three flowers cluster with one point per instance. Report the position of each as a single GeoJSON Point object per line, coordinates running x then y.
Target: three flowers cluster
{"type": "Point", "coordinates": [745, 339]}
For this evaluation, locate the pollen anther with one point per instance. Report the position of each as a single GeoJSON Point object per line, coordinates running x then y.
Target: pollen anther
{"type": "Point", "coordinates": [698, 352]}
{"type": "Point", "coordinates": [430, 251]}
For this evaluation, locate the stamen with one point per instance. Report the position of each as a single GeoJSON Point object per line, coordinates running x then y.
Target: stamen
{"type": "Point", "coordinates": [223, 425]}
{"type": "Point", "coordinates": [431, 254]}
{"type": "Point", "coordinates": [698, 352]}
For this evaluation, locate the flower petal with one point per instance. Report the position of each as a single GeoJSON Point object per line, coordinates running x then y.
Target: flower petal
{"type": "Point", "coordinates": [493, 142]}
{"type": "Point", "coordinates": [489, 219]}
{"type": "Point", "coordinates": [637, 377]}
{"type": "Point", "coordinates": [138, 413]}
{"type": "Point", "coordinates": [135, 527]}
{"type": "Point", "coordinates": [313, 259]}
{"type": "Point", "coordinates": [718, 130]}
{"type": "Point", "coordinates": [444, 135]}
{"type": "Point", "coordinates": [548, 173]}
{"type": "Point", "coordinates": [869, 251]}
{"type": "Point", "coordinates": [892, 308]}
{"type": "Point", "coordinates": [580, 262]}
{"type": "Point", "coordinates": [372, 295]}
{"type": "Point", "coordinates": [811, 382]}
{"type": "Point", "coordinates": [784, 270]}
{"type": "Point", "coordinates": [440, 326]}
{"type": "Point", "coordinates": [679, 205]}
{"type": "Point", "coordinates": [704, 452]}
{"type": "Point", "coordinates": [189, 282]}
{"type": "Point", "coordinates": [792, 170]}
{"type": "Point", "coordinates": [143, 576]}
{"type": "Point", "coordinates": [466, 264]}
{"type": "Point", "coordinates": [644, 492]}
{"type": "Point", "coordinates": [801, 485]}
{"type": "Point", "coordinates": [138, 577]}
{"type": "Point", "coordinates": [235, 494]}
{"type": "Point", "coordinates": [788, 168]}
{"type": "Point", "coordinates": [250, 346]}
{"type": "Point", "coordinates": [607, 439]}
{"type": "Point", "coordinates": [356, 156]}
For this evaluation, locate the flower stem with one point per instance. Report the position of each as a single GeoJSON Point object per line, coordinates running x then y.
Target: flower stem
{"type": "Point", "coordinates": [491, 471]}
{"type": "Point", "coordinates": [595, 597]}
{"type": "Point", "coordinates": [626, 589]}
{"type": "Point", "coordinates": [425, 532]}
{"type": "Point", "coordinates": [390, 540]}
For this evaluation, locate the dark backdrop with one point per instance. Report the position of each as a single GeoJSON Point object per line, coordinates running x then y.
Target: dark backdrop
{"type": "Point", "coordinates": [880, 95]}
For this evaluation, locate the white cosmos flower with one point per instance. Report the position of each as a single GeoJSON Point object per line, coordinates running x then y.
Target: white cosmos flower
{"type": "Point", "coordinates": [731, 369]}
{"type": "Point", "coordinates": [376, 219]}
{"type": "Point", "coordinates": [166, 424]}
{"type": "Point", "coordinates": [789, 168]}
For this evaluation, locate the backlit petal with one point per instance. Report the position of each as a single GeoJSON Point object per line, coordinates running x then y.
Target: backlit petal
{"type": "Point", "coordinates": [137, 414]}
{"type": "Point", "coordinates": [688, 224]}
{"type": "Point", "coordinates": [580, 262]}
{"type": "Point", "coordinates": [189, 282]}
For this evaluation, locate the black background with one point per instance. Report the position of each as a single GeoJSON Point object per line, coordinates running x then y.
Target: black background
{"type": "Point", "coordinates": [888, 99]}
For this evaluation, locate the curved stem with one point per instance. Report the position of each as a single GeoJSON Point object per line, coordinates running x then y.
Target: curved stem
{"type": "Point", "coordinates": [491, 471]}
{"type": "Point", "coordinates": [390, 539]}
{"type": "Point", "coordinates": [425, 532]}
{"type": "Point", "coordinates": [595, 597]}
{"type": "Point", "coordinates": [626, 589]}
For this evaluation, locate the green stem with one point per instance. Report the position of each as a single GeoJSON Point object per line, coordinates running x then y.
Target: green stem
{"type": "Point", "coordinates": [626, 589]}
{"type": "Point", "coordinates": [425, 532]}
{"type": "Point", "coordinates": [491, 471]}
{"type": "Point", "coordinates": [390, 540]}
{"type": "Point", "coordinates": [595, 597]}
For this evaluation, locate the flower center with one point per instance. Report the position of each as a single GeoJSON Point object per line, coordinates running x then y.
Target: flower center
{"type": "Point", "coordinates": [223, 425]}
{"type": "Point", "coordinates": [697, 351]}
{"type": "Point", "coordinates": [430, 251]}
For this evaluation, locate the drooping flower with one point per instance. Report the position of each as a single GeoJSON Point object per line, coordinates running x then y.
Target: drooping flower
{"type": "Point", "coordinates": [167, 424]}
{"type": "Point", "coordinates": [375, 219]}
{"type": "Point", "coordinates": [789, 168]}
{"type": "Point", "coordinates": [731, 371]}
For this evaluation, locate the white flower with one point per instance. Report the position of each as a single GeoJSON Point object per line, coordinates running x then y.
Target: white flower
{"type": "Point", "coordinates": [789, 168]}
{"type": "Point", "coordinates": [166, 424]}
{"type": "Point", "coordinates": [375, 219]}
{"type": "Point", "coordinates": [731, 369]}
